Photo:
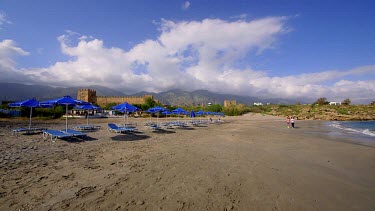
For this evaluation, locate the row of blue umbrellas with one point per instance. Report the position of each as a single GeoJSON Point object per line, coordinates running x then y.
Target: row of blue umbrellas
{"type": "Point", "coordinates": [123, 108]}
{"type": "Point", "coordinates": [30, 103]}
{"type": "Point", "coordinates": [128, 108]}
{"type": "Point", "coordinates": [66, 100]}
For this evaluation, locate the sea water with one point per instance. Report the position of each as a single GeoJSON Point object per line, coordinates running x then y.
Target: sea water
{"type": "Point", "coordinates": [362, 132]}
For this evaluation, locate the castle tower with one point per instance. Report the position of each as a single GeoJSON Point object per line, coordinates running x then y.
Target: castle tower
{"type": "Point", "coordinates": [87, 95]}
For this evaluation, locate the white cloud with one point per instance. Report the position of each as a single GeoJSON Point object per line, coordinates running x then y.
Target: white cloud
{"type": "Point", "coordinates": [186, 5]}
{"type": "Point", "coordinates": [9, 50]}
{"type": "Point", "coordinates": [8, 67]}
{"type": "Point", "coordinates": [190, 55]}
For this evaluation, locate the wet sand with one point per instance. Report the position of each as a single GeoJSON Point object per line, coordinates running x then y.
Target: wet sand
{"type": "Point", "coordinates": [252, 162]}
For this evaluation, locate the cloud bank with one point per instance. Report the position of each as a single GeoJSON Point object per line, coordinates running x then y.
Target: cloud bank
{"type": "Point", "coordinates": [188, 55]}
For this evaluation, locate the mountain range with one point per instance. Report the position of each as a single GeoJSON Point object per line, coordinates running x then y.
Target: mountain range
{"type": "Point", "coordinates": [17, 91]}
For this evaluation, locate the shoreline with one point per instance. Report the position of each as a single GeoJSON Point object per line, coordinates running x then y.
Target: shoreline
{"type": "Point", "coordinates": [248, 162]}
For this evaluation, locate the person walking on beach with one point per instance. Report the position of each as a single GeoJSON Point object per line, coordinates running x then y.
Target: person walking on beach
{"type": "Point", "coordinates": [292, 121]}
{"type": "Point", "coordinates": [288, 121]}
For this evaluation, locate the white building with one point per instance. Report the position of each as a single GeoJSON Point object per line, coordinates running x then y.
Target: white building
{"type": "Point", "coordinates": [335, 103]}
{"type": "Point", "coordinates": [258, 104]}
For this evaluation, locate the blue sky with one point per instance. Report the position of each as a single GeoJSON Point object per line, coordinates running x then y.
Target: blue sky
{"type": "Point", "coordinates": [289, 49]}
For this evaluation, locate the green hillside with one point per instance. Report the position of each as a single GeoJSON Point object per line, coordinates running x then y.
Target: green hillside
{"type": "Point", "coordinates": [320, 112]}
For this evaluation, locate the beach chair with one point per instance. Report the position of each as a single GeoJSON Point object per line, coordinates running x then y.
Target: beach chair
{"type": "Point", "coordinates": [179, 124]}
{"type": "Point", "coordinates": [75, 133]}
{"type": "Point", "coordinates": [114, 128]}
{"type": "Point", "coordinates": [166, 125]}
{"type": "Point", "coordinates": [129, 127]}
{"type": "Point", "coordinates": [155, 127]}
{"type": "Point", "coordinates": [27, 130]}
{"type": "Point", "coordinates": [86, 127]}
{"type": "Point", "coordinates": [55, 134]}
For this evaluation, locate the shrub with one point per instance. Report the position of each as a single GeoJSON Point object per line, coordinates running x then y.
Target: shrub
{"type": "Point", "coordinates": [321, 101]}
{"type": "Point", "coordinates": [346, 102]}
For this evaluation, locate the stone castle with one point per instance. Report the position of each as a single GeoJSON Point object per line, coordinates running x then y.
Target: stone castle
{"type": "Point", "coordinates": [89, 95]}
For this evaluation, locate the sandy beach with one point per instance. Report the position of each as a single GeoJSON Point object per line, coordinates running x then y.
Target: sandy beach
{"type": "Point", "coordinates": [252, 162]}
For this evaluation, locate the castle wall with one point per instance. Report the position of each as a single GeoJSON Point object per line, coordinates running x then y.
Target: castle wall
{"type": "Point", "coordinates": [89, 95]}
{"type": "Point", "coordinates": [105, 100]}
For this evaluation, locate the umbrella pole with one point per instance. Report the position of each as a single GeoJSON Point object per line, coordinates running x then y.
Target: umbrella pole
{"type": "Point", "coordinates": [31, 114]}
{"type": "Point", "coordinates": [66, 118]}
{"type": "Point", "coordinates": [87, 118]}
{"type": "Point", "coordinates": [125, 117]}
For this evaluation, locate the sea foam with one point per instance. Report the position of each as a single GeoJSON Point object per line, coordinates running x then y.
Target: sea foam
{"type": "Point", "coordinates": [352, 129]}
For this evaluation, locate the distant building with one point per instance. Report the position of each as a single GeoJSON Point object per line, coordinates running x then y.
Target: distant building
{"type": "Point", "coordinates": [229, 103]}
{"type": "Point", "coordinates": [89, 95]}
{"type": "Point", "coordinates": [258, 104]}
{"type": "Point", "coordinates": [335, 103]}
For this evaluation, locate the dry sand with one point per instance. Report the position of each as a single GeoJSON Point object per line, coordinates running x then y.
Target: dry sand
{"type": "Point", "coordinates": [251, 162]}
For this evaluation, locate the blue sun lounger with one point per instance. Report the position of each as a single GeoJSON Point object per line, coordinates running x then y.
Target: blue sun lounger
{"type": "Point", "coordinates": [155, 127]}
{"type": "Point", "coordinates": [55, 134]}
{"type": "Point", "coordinates": [114, 128]}
{"type": "Point", "coordinates": [16, 131]}
{"type": "Point", "coordinates": [87, 127]}
{"type": "Point", "coordinates": [75, 133]}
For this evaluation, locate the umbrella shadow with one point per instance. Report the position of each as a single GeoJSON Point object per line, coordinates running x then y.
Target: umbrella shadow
{"type": "Point", "coordinates": [163, 131]}
{"type": "Point", "coordinates": [89, 138]}
{"type": "Point", "coordinates": [32, 133]}
{"type": "Point", "coordinates": [91, 131]}
{"type": "Point", "coordinates": [185, 128]}
{"type": "Point", "coordinates": [200, 126]}
{"type": "Point", "coordinates": [130, 137]}
{"type": "Point", "coordinates": [78, 140]}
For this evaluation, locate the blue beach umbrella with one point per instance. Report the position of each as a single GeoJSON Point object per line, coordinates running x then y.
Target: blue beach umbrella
{"type": "Point", "coordinates": [29, 103]}
{"type": "Point", "coordinates": [67, 101]}
{"type": "Point", "coordinates": [156, 110]}
{"type": "Point", "coordinates": [125, 108]}
{"type": "Point", "coordinates": [199, 113]}
{"type": "Point", "coordinates": [88, 107]}
{"type": "Point", "coordinates": [192, 114]}
{"type": "Point", "coordinates": [166, 113]}
{"type": "Point", "coordinates": [179, 111]}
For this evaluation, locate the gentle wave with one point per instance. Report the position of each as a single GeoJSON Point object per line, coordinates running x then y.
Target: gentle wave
{"type": "Point", "coordinates": [353, 130]}
{"type": "Point", "coordinates": [368, 132]}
